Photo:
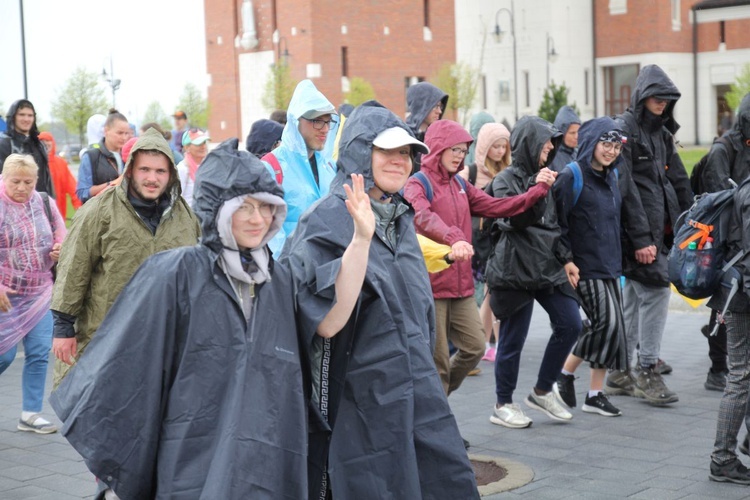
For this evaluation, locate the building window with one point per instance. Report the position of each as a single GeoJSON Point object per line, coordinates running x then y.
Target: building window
{"type": "Point", "coordinates": [344, 61]}
{"type": "Point", "coordinates": [722, 32]}
{"type": "Point", "coordinates": [618, 86]}
{"type": "Point", "coordinates": [503, 91]}
{"type": "Point", "coordinates": [426, 4]}
{"type": "Point", "coordinates": [618, 7]}
{"type": "Point", "coordinates": [527, 89]}
{"type": "Point", "coordinates": [586, 86]}
{"type": "Point", "coordinates": [676, 16]}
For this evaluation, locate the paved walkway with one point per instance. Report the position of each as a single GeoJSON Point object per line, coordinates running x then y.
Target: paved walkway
{"type": "Point", "coordinates": [656, 453]}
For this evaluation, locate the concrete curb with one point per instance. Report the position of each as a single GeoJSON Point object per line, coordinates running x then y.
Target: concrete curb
{"type": "Point", "coordinates": [518, 475]}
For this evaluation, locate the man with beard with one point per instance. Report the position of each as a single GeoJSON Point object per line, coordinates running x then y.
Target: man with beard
{"type": "Point", "coordinates": [110, 238]}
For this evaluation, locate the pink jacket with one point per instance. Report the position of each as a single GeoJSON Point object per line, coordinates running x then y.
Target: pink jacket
{"type": "Point", "coordinates": [448, 218]}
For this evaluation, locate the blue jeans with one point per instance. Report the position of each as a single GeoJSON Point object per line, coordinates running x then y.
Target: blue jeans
{"type": "Point", "coordinates": [566, 326]}
{"type": "Point", "coordinates": [36, 344]}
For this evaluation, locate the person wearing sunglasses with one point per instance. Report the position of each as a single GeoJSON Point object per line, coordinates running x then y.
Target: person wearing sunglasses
{"type": "Point", "coordinates": [445, 217]}
{"type": "Point", "coordinates": [302, 164]}
{"type": "Point", "coordinates": [656, 190]}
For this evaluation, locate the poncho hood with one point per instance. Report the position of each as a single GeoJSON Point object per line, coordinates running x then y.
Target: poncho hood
{"type": "Point", "coordinates": [305, 98]}
{"type": "Point", "coordinates": [528, 138]}
{"type": "Point", "coordinates": [566, 116]}
{"type": "Point", "coordinates": [227, 173]}
{"type": "Point", "coordinates": [355, 147]}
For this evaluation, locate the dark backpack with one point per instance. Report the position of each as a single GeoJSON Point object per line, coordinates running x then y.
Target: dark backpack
{"type": "Point", "coordinates": [696, 176]}
{"type": "Point", "coordinates": [699, 273]}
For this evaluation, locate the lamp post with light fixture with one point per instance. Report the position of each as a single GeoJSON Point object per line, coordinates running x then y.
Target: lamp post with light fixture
{"type": "Point", "coordinates": [551, 54]}
{"type": "Point", "coordinates": [113, 82]}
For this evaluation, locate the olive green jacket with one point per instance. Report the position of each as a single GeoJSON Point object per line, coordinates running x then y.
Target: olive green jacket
{"type": "Point", "coordinates": [107, 243]}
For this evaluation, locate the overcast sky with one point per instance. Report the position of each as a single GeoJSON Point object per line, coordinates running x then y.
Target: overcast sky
{"type": "Point", "coordinates": [156, 46]}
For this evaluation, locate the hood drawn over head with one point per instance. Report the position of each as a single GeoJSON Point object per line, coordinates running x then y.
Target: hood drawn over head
{"type": "Point", "coordinates": [11, 116]}
{"type": "Point", "coordinates": [95, 129]}
{"type": "Point", "coordinates": [489, 135]}
{"type": "Point", "coordinates": [420, 99]}
{"type": "Point", "coordinates": [526, 142]}
{"type": "Point", "coordinates": [306, 97]}
{"type": "Point", "coordinates": [566, 116]}
{"type": "Point", "coordinates": [46, 136]}
{"type": "Point", "coordinates": [225, 174]}
{"type": "Point", "coordinates": [652, 81]}
{"type": "Point", "coordinates": [440, 136]}
{"type": "Point", "coordinates": [263, 135]}
{"type": "Point", "coordinates": [152, 140]}
{"type": "Point", "coordinates": [742, 123]}
{"type": "Point", "coordinates": [355, 147]}
{"type": "Point", "coordinates": [588, 138]}
{"type": "Point", "coordinates": [478, 120]}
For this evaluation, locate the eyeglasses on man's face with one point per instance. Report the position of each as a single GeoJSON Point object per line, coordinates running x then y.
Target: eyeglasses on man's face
{"type": "Point", "coordinates": [459, 152]}
{"type": "Point", "coordinates": [321, 124]}
{"type": "Point", "coordinates": [611, 146]}
{"type": "Point", "coordinates": [247, 210]}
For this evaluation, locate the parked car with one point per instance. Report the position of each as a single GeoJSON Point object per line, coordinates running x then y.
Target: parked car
{"type": "Point", "coordinates": [71, 152]}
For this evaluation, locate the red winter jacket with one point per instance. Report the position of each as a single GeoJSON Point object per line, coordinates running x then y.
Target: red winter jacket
{"type": "Point", "coordinates": [448, 218]}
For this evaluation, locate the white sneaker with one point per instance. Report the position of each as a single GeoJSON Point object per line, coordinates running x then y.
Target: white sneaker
{"type": "Point", "coordinates": [510, 415]}
{"type": "Point", "coordinates": [549, 404]}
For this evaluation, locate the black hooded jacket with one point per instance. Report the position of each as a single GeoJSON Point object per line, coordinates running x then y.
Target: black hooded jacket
{"type": "Point", "coordinates": [421, 98]}
{"type": "Point", "coordinates": [187, 398]}
{"type": "Point", "coordinates": [718, 170]}
{"type": "Point", "coordinates": [527, 256]}
{"type": "Point", "coordinates": [653, 182]}
{"type": "Point", "coordinates": [15, 142]}
{"type": "Point", "coordinates": [392, 433]}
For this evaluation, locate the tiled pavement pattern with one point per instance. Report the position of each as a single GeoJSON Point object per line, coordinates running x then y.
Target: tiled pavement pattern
{"type": "Point", "coordinates": [648, 453]}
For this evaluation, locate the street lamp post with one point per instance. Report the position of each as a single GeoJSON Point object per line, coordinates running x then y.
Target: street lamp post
{"type": "Point", "coordinates": [499, 38]}
{"type": "Point", "coordinates": [111, 80]}
{"type": "Point", "coordinates": [285, 53]}
{"type": "Point", "coordinates": [551, 54]}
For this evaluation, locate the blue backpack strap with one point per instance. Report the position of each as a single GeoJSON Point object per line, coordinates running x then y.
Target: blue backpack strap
{"type": "Point", "coordinates": [577, 180]}
{"type": "Point", "coordinates": [461, 182]}
{"type": "Point", "coordinates": [425, 182]}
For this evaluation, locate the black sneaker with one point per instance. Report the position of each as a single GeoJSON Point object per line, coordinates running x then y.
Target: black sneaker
{"type": "Point", "coordinates": [732, 472]}
{"type": "Point", "coordinates": [715, 381]}
{"type": "Point", "coordinates": [467, 445]}
{"type": "Point", "coordinates": [744, 447]}
{"type": "Point", "coordinates": [565, 389]}
{"type": "Point", "coordinates": [601, 405]}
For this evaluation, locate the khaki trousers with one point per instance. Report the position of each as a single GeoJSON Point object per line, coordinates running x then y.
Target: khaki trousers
{"type": "Point", "coordinates": [457, 320]}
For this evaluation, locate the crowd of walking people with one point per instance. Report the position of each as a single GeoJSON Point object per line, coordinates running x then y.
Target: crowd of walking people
{"type": "Point", "coordinates": [261, 322]}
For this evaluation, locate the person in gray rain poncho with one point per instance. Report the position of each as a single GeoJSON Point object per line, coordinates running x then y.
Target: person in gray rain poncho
{"type": "Point", "coordinates": [381, 426]}
{"type": "Point", "coordinates": [200, 394]}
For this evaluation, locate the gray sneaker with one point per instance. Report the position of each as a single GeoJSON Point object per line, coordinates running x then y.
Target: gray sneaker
{"type": "Point", "coordinates": [715, 381]}
{"type": "Point", "coordinates": [650, 386]}
{"type": "Point", "coordinates": [550, 405]}
{"type": "Point", "coordinates": [619, 382]}
{"type": "Point", "coordinates": [34, 425]}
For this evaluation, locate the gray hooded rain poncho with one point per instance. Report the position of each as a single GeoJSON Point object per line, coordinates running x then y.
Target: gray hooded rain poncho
{"type": "Point", "coordinates": [193, 387]}
{"type": "Point", "coordinates": [381, 422]}
{"type": "Point", "coordinates": [566, 116]}
{"type": "Point", "coordinates": [421, 98]}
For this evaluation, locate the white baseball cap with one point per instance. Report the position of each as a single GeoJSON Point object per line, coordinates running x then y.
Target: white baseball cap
{"type": "Point", "coordinates": [395, 137]}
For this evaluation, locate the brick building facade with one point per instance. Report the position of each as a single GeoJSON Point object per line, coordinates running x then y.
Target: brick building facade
{"type": "Point", "coordinates": [389, 44]}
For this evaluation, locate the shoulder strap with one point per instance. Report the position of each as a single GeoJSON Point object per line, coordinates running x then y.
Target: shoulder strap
{"type": "Point", "coordinates": [47, 209]}
{"type": "Point", "coordinates": [461, 182]}
{"type": "Point", "coordinates": [275, 165]}
{"type": "Point", "coordinates": [575, 169]}
{"type": "Point", "coordinates": [473, 174]}
{"type": "Point", "coordinates": [425, 182]}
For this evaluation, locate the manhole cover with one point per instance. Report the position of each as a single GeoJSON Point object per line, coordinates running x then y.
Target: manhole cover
{"type": "Point", "coordinates": [488, 472]}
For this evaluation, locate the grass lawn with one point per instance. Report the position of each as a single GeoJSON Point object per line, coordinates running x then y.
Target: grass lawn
{"type": "Point", "coordinates": [690, 156]}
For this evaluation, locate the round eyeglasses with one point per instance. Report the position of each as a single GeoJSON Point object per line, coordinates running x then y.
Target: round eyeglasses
{"type": "Point", "coordinates": [247, 210]}
{"type": "Point", "coordinates": [459, 152]}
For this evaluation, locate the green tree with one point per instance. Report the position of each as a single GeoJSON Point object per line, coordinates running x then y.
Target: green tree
{"type": "Point", "coordinates": [739, 88]}
{"type": "Point", "coordinates": [279, 88]}
{"type": "Point", "coordinates": [461, 82]}
{"type": "Point", "coordinates": [360, 91]}
{"type": "Point", "coordinates": [155, 114]}
{"type": "Point", "coordinates": [555, 97]}
{"type": "Point", "coordinates": [80, 97]}
{"type": "Point", "coordinates": [194, 105]}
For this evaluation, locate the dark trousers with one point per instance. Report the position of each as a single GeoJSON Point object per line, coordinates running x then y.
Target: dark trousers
{"type": "Point", "coordinates": [717, 344]}
{"type": "Point", "coordinates": [566, 326]}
